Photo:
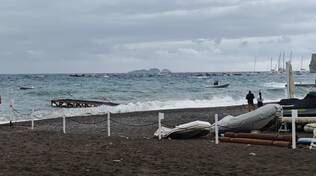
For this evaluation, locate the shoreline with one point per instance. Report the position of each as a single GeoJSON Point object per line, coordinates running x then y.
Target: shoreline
{"type": "Point", "coordinates": [131, 150]}
{"type": "Point", "coordinates": [133, 124]}
{"type": "Point", "coordinates": [130, 123]}
{"type": "Point", "coordinates": [144, 111]}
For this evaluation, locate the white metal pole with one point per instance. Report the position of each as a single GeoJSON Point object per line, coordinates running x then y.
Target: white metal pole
{"type": "Point", "coordinates": [160, 117]}
{"type": "Point", "coordinates": [216, 129]}
{"type": "Point", "coordinates": [64, 123]}
{"type": "Point", "coordinates": [294, 116]}
{"type": "Point", "coordinates": [32, 115]}
{"type": "Point", "coordinates": [109, 128]}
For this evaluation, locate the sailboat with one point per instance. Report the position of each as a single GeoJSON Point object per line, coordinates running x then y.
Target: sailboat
{"type": "Point", "coordinates": [281, 69]}
{"type": "Point", "coordinates": [272, 70]}
{"type": "Point", "coordinates": [254, 68]}
{"type": "Point", "coordinates": [301, 68]}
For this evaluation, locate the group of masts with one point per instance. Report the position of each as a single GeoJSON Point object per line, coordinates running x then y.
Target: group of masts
{"type": "Point", "coordinates": [280, 66]}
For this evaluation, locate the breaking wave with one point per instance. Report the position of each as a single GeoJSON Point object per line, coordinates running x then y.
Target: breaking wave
{"type": "Point", "coordinates": [142, 106]}
{"type": "Point", "coordinates": [274, 85]}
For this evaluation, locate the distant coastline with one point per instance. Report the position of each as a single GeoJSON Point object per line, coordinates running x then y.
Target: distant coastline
{"type": "Point", "coordinates": [152, 71]}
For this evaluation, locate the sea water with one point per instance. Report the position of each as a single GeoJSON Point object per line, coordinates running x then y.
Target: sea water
{"type": "Point", "coordinates": [137, 92]}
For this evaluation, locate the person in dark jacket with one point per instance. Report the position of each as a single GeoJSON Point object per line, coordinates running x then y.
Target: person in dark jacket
{"type": "Point", "coordinates": [260, 100]}
{"type": "Point", "coordinates": [250, 96]}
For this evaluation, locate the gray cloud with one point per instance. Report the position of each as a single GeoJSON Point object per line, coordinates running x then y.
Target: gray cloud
{"type": "Point", "coordinates": [118, 36]}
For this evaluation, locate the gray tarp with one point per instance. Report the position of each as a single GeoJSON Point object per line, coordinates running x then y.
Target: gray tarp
{"type": "Point", "coordinates": [254, 120]}
{"type": "Point", "coordinates": [187, 130]}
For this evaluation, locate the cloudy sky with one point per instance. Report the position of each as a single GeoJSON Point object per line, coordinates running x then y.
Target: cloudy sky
{"type": "Point", "coordinates": [65, 36]}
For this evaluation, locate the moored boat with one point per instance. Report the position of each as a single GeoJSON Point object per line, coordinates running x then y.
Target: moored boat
{"type": "Point", "coordinates": [218, 86]}
{"type": "Point", "coordinates": [26, 87]}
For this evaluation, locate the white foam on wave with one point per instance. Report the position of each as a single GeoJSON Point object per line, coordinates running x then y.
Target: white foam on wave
{"type": "Point", "coordinates": [135, 107]}
{"type": "Point", "coordinates": [274, 85]}
{"type": "Point", "coordinates": [201, 77]}
{"type": "Point", "coordinates": [142, 106]}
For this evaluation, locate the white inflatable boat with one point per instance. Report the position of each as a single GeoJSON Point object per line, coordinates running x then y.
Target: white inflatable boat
{"type": "Point", "coordinates": [188, 130]}
{"type": "Point", "coordinates": [254, 120]}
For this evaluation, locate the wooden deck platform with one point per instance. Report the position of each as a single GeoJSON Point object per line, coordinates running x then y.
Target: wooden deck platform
{"type": "Point", "coordinates": [75, 103]}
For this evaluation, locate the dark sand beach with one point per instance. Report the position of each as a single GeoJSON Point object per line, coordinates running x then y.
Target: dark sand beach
{"type": "Point", "coordinates": [131, 150]}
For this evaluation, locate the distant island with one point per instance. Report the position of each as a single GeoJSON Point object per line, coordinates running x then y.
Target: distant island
{"type": "Point", "coordinates": [152, 71]}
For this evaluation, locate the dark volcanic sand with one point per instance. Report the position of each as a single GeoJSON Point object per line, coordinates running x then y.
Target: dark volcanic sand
{"type": "Point", "coordinates": [86, 150]}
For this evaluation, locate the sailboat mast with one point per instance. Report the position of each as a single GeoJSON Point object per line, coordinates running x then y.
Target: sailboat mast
{"type": "Point", "coordinates": [254, 66]}
{"type": "Point", "coordinates": [283, 59]}
{"type": "Point", "coordinates": [279, 63]}
{"type": "Point", "coordinates": [301, 64]}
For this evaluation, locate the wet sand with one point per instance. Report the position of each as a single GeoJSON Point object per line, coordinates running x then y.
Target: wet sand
{"type": "Point", "coordinates": [131, 150]}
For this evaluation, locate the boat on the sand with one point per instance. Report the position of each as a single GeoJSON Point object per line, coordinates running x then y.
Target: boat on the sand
{"type": "Point", "coordinates": [305, 141]}
{"type": "Point", "coordinates": [309, 128]}
{"type": "Point", "coordinates": [185, 131]}
{"type": "Point", "coordinates": [306, 107]}
{"type": "Point", "coordinates": [254, 120]}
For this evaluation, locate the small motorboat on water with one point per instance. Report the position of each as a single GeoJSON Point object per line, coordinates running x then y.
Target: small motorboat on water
{"type": "Point", "coordinates": [185, 131]}
{"type": "Point", "coordinates": [77, 75]}
{"type": "Point", "coordinates": [303, 85]}
{"type": "Point", "coordinates": [26, 87]}
{"type": "Point", "coordinates": [218, 86]}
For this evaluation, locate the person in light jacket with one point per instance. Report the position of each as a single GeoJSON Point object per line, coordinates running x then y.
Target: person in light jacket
{"type": "Point", "coordinates": [259, 100]}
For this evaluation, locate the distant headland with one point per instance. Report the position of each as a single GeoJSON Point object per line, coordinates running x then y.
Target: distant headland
{"type": "Point", "coordinates": [152, 71]}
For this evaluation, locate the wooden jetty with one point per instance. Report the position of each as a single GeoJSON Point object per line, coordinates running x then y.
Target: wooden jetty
{"type": "Point", "coordinates": [75, 103]}
{"type": "Point", "coordinates": [303, 85]}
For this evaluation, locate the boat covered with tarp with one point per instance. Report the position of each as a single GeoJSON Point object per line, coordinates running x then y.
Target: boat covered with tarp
{"type": "Point", "coordinates": [306, 107]}
{"type": "Point", "coordinates": [254, 120]}
{"type": "Point", "coordinates": [185, 131]}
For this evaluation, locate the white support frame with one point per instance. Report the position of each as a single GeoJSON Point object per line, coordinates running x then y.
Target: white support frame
{"type": "Point", "coordinates": [216, 129]}
{"type": "Point", "coordinates": [294, 116]}
{"type": "Point", "coordinates": [161, 116]}
{"type": "Point", "coordinates": [109, 125]}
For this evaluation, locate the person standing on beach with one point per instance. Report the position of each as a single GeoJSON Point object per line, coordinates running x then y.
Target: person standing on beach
{"type": "Point", "coordinates": [260, 100]}
{"type": "Point", "coordinates": [250, 98]}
